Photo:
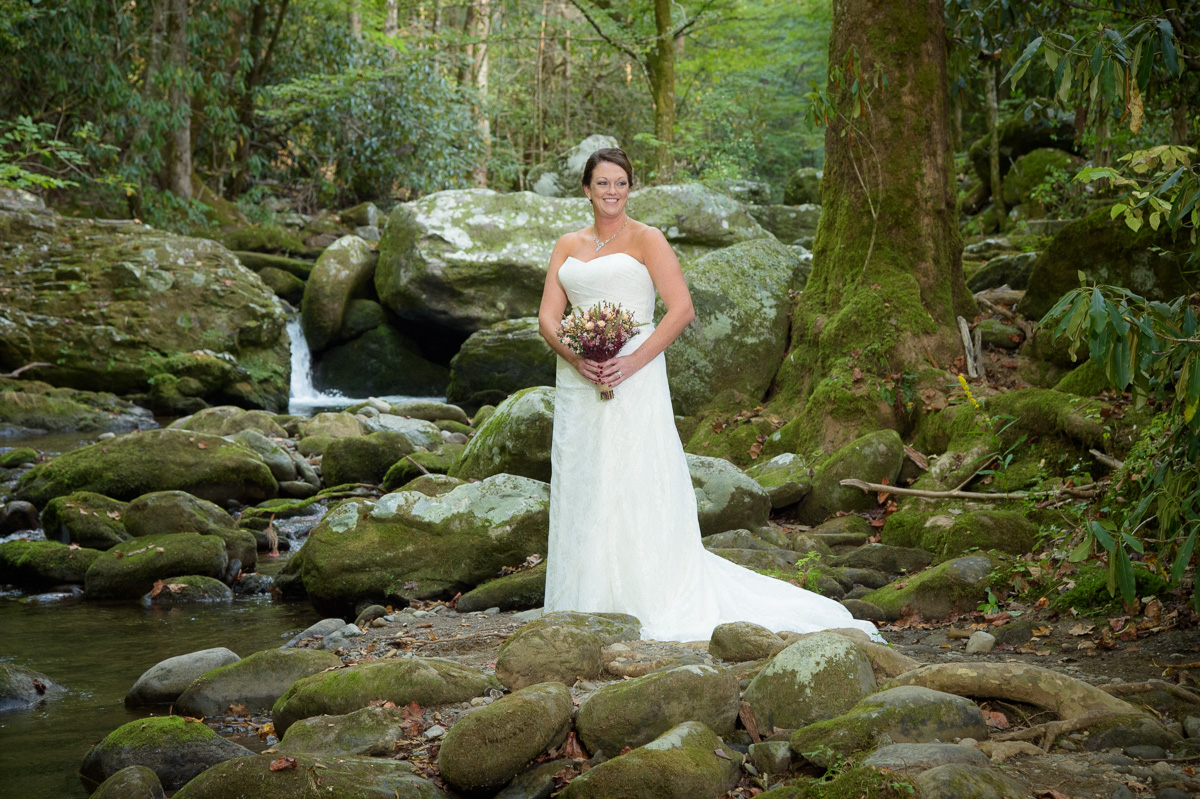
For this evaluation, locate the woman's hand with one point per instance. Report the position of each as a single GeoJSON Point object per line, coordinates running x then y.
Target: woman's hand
{"type": "Point", "coordinates": [589, 370]}
{"type": "Point", "coordinates": [616, 371]}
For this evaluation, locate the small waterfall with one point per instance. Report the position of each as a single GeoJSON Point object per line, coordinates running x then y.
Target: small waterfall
{"type": "Point", "coordinates": [304, 396]}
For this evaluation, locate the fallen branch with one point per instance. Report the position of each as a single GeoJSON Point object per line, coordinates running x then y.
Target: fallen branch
{"type": "Point", "coordinates": [1081, 492]}
{"type": "Point", "coordinates": [414, 463]}
{"type": "Point", "coordinates": [1049, 731]}
{"type": "Point", "coordinates": [996, 308]}
{"type": "Point", "coordinates": [20, 369]}
{"type": "Point", "coordinates": [1106, 460]}
{"type": "Point", "coordinates": [1129, 688]}
{"type": "Point", "coordinates": [968, 349]}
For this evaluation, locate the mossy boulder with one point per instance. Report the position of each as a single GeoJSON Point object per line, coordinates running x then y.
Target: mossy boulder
{"type": "Point", "coordinates": [363, 459]}
{"type": "Point", "coordinates": [124, 468]}
{"type": "Point", "coordinates": [173, 748]}
{"type": "Point", "coordinates": [490, 746]}
{"type": "Point", "coordinates": [906, 714]}
{"type": "Point", "coordinates": [358, 777]}
{"type": "Point", "coordinates": [788, 223]}
{"type": "Point", "coordinates": [17, 457]}
{"type": "Point", "coordinates": [426, 681]}
{"type": "Point", "coordinates": [163, 682]}
{"type": "Point", "coordinates": [1020, 135]}
{"type": "Point", "coordinates": [733, 436]}
{"type": "Point", "coordinates": [255, 681]}
{"type": "Point", "coordinates": [226, 420]}
{"type": "Point", "coordinates": [562, 174]}
{"type": "Point", "coordinates": [514, 440]}
{"type": "Point", "coordinates": [131, 782]}
{"type": "Point", "coordinates": [164, 512]}
{"type": "Point", "coordinates": [21, 687]}
{"type": "Point", "coordinates": [409, 545]}
{"type": "Point", "coordinates": [286, 286]}
{"type": "Point", "coordinates": [949, 536]}
{"type": "Point", "coordinates": [371, 732]}
{"type": "Point", "coordinates": [117, 306]}
{"type": "Point", "coordinates": [260, 262]}
{"type": "Point", "coordinates": [382, 360]}
{"type": "Point", "coordinates": [41, 564]}
{"type": "Point", "coordinates": [739, 641]}
{"type": "Point", "coordinates": [803, 186]}
{"type": "Point", "coordinates": [129, 569]}
{"type": "Point", "coordinates": [419, 432]}
{"type": "Point", "coordinates": [1030, 170]}
{"type": "Point", "coordinates": [737, 341]}
{"type": "Point", "coordinates": [635, 712]}
{"type": "Point", "coordinates": [187, 589]}
{"type": "Point", "coordinates": [874, 458]}
{"type": "Point", "coordinates": [886, 559]}
{"type": "Point", "coordinates": [726, 499]}
{"type": "Point", "coordinates": [786, 478]}
{"type": "Point", "coordinates": [965, 781]}
{"type": "Point", "coordinates": [956, 586]}
{"type": "Point", "coordinates": [524, 589]}
{"type": "Point", "coordinates": [818, 677]}
{"type": "Point", "coordinates": [34, 405]}
{"type": "Point", "coordinates": [562, 646]}
{"type": "Point", "coordinates": [684, 762]}
{"type": "Point", "coordinates": [264, 238]}
{"type": "Point", "coordinates": [433, 485]}
{"type": "Point", "coordinates": [409, 468]}
{"type": "Point", "coordinates": [500, 360]}
{"type": "Point", "coordinates": [1012, 270]}
{"type": "Point", "coordinates": [1086, 380]}
{"type": "Point", "coordinates": [1106, 251]}
{"type": "Point", "coordinates": [329, 424]}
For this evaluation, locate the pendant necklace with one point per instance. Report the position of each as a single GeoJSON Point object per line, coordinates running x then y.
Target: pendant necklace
{"type": "Point", "coordinates": [599, 243]}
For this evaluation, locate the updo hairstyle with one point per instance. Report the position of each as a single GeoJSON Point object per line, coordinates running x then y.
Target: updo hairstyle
{"type": "Point", "coordinates": [613, 155]}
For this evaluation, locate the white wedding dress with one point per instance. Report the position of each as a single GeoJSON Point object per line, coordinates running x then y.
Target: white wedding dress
{"type": "Point", "coordinates": [624, 536]}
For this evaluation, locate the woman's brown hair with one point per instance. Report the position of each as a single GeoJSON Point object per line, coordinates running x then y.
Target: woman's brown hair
{"type": "Point", "coordinates": [613, 155]}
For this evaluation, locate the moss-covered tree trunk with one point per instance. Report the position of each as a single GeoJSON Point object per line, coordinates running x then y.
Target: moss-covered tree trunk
{"type": "Point", "coordinates": [887, 273]}
{"type": "Point", "coordinates": [661, 62]}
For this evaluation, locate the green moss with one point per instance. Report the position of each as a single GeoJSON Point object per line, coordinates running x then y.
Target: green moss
{"type": "Point", "coordinates": [932, 590]}
{"type": "Point", "coordinates": [265, 239]}
{"type": "Point", "coordinates": [157, 731]}
{"type": "Point", "coordinates": [953, 535]}
{"type": "Point", "coordinates": [412, 466]}
{"type": "Point", "coordinates": [1090, 593]}
{"type": "Point", "coordinates": [524, 589]}
{"type": "Point", "coordinates": [44, 563]}
{"type": "Point", "coordinates": [737, 441]}
{"type": "Point", "coordinates": [85, 518]}
{"type": "Point", "coordinates": [363, 459]}
{"type": "Point", "coordinates": [1086, 380]}
{"type": "Point", "coordinates": [18, 456]}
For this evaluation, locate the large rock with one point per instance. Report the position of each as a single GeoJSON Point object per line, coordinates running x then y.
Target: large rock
{"type": "Point", "coordinates": [804, 186]}
{"type": "Point", "coordinates": [131, 782]}
{"type": "Point", "coordinates": [175, 749]}
{"type": "Point", "coordinates": [524, 589]}
{"type": "Point", "coordinates": [689, 761]}
{"type": "Point", "coordinates": [466, 259]}
{"type": "Point", "coordinates": [490, 746]}
{"type": "Point", "coordinates": [162, 683]}
{"type": "Point", "coordinates": [915, 758]}
{"type": "Point", "coordinates": [907, 714]}
{"type": "Point", "coordinates": [1106, 251]}
{"type": "Point", "coordinates": [42, 564]}
{"type": "Point", "coordinates": [21, 687]}
{"type": "Point", "coordinates": [563, 646]}
{"type": "Point", "coordinates": [1020, 134]}
{"type": "Point", "coordinates": [874, 458]}
{"type": "Point", "coordinates": [788, 223]}
{"type": "Point", "coordinates": [514, 440]}
{"type": "Point", "coordinates": [1030, 170]}
{"type": "Point", "coordinates": [130, 569]}
{"type": "Point", "coordinates": [726, 499]}
{"type": "Point", "coordinates": [499, 360]}
{"type": "Point", "coordinates": [563, 176]}
{"type": "Point", "coordinates": [164, 512]}
{"type": "Point", "coordinates": [358, 777]}
{"type": "Point", "coordinates": [953, 535]}
{"type": "Point", "coordinates": [635, 712]}
{"type": "Point", "coordinates": [786, 478]}
{"type": "Point", "coordinates": [380, 361]}
{"type": "Point", "coordinates": [256, 681]}
{"type": "Point", "coordinates": [209, 467]}
{"type": "Point", "coordinates": [820, 676]}
{"type": "Point", "coordinates": [225, 420]}
{"type": "Point", "coordinates": [363, 459]}
{"type": "Point", "coordinates": [426, 681]}
{"type": "Point", "coordinates": [739, 641]}
{"type": "Point", "coordinates": [964, 781]}
{"type": "Point", "coordinates": [409, 545]}
{"type": "Point", "coordinates": [34, 405]}
{"type": "Point", "coordinates": [956, 586]}
{"type": "Point", "coordinates": [1012, 270]}
{"type": "Point", "coordinates": [738, 338]}
{"type": "Point", "coordinates": [344, 271]}
{"type": "Point", "coordinates": [370, 731]}
{"type": "Point", "coordinates": [119, 306]}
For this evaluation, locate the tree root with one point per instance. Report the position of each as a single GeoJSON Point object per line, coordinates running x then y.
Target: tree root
{"type": "Point", "coordinates": [1049, 731]}
{"type": "Point", "coordinates": [1079, 492]}
{"type": "Point", "coordinates": [1127, 689]}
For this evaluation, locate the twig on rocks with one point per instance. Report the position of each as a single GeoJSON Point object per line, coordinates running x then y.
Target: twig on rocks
{"type": "Point", "coordinates": [1052, 729]}
{"type": "Point", "coordinates": [1106, 460]}
{"type": "Point", "coordinates": [1078, 491]}
{"type": "Point", "coordinates": [968, 348]}
{"type": "Point", "coordinates": [414, 463]}
{"type": "Point", "coordinates": [995, 308]}
{"type": "Point", "coordinates": [1128, 688]}
{"type": "Point", "coordinates": [20, 369]}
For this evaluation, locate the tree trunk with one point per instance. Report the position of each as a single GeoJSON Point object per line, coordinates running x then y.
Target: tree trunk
{"type": "Point", "coordinates": [993, 125]}
{"type": "Point", "coordinates": [391, 19]}
{"type": "Point", "coordinates": [483, 126]}
{"type": "Point", "coordinates": [887, 277]}
{"type": "Point", "coordinates": [260, 47]}
{"type": "Point", "coordinates": [661, 62]}
{"type": "Point", "coordinates": [177, 158]}
{"type": "Point", "coordinates": [356, 18]}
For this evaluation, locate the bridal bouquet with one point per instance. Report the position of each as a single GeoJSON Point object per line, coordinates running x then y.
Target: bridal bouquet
{"type": "Point", "coordinates": [598, 334]}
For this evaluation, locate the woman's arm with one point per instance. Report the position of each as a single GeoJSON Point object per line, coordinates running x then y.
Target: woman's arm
{"type": "Point", "coordinates": [668, 278]}
{"type": "Point", "coordinates": [550, 315]}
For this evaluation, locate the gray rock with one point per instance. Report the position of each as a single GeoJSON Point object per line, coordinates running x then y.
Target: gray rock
{"type": "Point", "coordinates": [1009, 269]}
{"type": "Point", "coordinates": [256, 681]}
{"type": "Point", "coordinates": [536, 783]}
{"type": "Point", "coordinates": [804, 186]}
{"type": "Point", "coordinates": [875, 457]}
{"type": "Point", "coordinates": [370, 731]}
{"type": "Point", "coordinates": [861, 609]}
{"type": "Point", "coordinates": [820, 676]}
{"type": "Point", "coordinates": [563, 176]}
{"type": "Point", "coordinates": [322, 628]}
{"type": "Point", "coordinates": [634, 712]}
{"type": "Point", "coordinates": [791, 224]}
{"type": "Point", "coordinates": [163, 682]}
{"type": "Point", "coordinates": [347, 775]}
{"type": "Point", "coordinates": [980, 643]}
{"type": "Point", "coordinates": [1132, 732]}
{"type": "Point", "coordinates": [771, 757]}
{"type": "Point", "coordinates": [498, 361]}
{"type": "Point", "coordinates": [884, 558]}
{"type": "Point", "coordinates": [428, 410]}
{"type": "Point", "coordinates": [514, 440]}
{"type": "Point", "coordinates": [131, 782]}
{"type": "Point", "coordinates": [419, 432]}
{"type": "Point", "coordinates": [563, 646]}
{"type": "Point", "coordinates": [960, 781]}
{"type": "Point", "coordinates": [786, 478]}
{"type": "Point", "coordinates": [343, 270]}
{"type": "Point", "coordinates": [910, 758]}
{"type": "Point", "coordinates": [490, 746]}
{"type": "Point", "coordinates": [1191, 726]}
{"type": "Point", "coordinates": [726, 499]}
{"type": "Point", "coordinates": [278, 459]}
{"type": "Point", "coordinates": [21, 687]}
{"type": "Point", "coordinates": [742, 640]}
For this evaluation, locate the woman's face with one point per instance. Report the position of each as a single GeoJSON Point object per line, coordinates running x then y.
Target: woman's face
{"type": "Point", "coordinates": [609, 189]}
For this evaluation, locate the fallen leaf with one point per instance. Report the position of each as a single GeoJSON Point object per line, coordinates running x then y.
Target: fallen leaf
{"type": "Point", "coordinates": [238, 710]}
{"type": "Point", "coordinates": [1042, 632]}
{"type": "Point", "coordinates": [265, 731]}
{"type": "Point", "coordinates": [39, 686]}
{"type": "Point", "coordinates": [995, 719]}
{"type": "Point", "coordinates": [411, 585]}
{"type": "Point", "coordinates": [114, 514]}
{"type": "Point", "coordinates": [282, 763]}
{"type": "Point", "coordinates": [721, 754]}
{"type": "Point", "coordinates": [756, 449]}
{"type": "Point", "coordinates": [858, 375]}
{"type": "Point", "coordinates": [1050, 793]}
{"type": "Point", "coordinates": [202, 445]}
{"type": "Point", "coordinates": [1083, 628]}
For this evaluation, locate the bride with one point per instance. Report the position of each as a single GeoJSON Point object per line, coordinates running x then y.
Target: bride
{"type": "Point", "coordinates": [624, 535]}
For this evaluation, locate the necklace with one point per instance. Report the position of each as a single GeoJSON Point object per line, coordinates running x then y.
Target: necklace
{"type": "Point", "coordinates": [599, 243]}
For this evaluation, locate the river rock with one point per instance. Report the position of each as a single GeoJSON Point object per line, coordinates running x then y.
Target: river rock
{"type": "Point", "coordinates": [129, 569]}
{"type": "Point", "coordinates": [430, 411]}
{"type": "Point", "coordinates": [18, 517]}
{"type": "Point", "coordinates": [490, 746]}
{"type": "Point", "coordinates": [910, 758]}
{"type": "Point", "coordinates": [956, 586]}
{"type": "Point", "coordinates": [187, 589]}
{"type": "Point", "coordinates": [726, 499]}
{"type": "Point", "coordinates": [1012, 270]}
{"type": "Point", "coordinates": [514, 440]}
{"type": "Point", "coordinates": [131, 782]}
{"type": "Point", "coordinates": [426, 681]}
{"type": "Point", "coordinates": [906, 714]}
{"type": "Point", "coordinates": [126, 308]}
{"type": "Point", "coordinates": [563, 176]}
{"type": "Point", "coordinates": [87, 519]}
{"type": "Point", "coordinates": [286, 286]}
{"type": "Point", "coordinates": [409, 545]}
{"type": "Point", "coordinates": [163, 682]}
{"type": "Point", "coordinates": [817, 677]}
{"type": "Point", "coordinates": [419, 432]}
{"type": "Point", "coordinates": [34, 405]}
{"type": "Point", "coordinates": [519, 591]}
{"type": "Point", "coordinates": [21, 687]}
{"type": "Point", "coordinates": [874, 458]}
{"type": "Point", "coordinates": [739, 641]}
{"type": "Point", "coordinates": [499, 360]}
{"type": "Point", "coordinates": [952, 535]}
{"type": "Point", "coordinates": [422, 462]}
{"type": "Point", "coordinates": [963, 781]}
{"type": "Point", "coordinates": [345, 269]}
{"type": "Point", "coordinates": [174, 749]}
{"type": "Point", "coordinates": [329, 424]}
{"type": "Point", "coordinates": [41, 564]}
{"type": "Point", "coordinates": [634, 712]}
{"type": "Point", "coordinates": [358, 777]}
{"type": "Point", "coordinates": [685, 762]}
{"type": "Point", "coordinates": [162, 512]}
{"type": "Point", "coordinates": [370, 731]}
{"type": "Point", "coordinates": [803, 186]}
{"type": "Point", "coordinates": [17, 457]}
{"type": "Point", "coordinates": [737, 341]}
{"type": "Point", "coordinates": [383, 360]}
{"type": "Point", "coordinates": [255, 681]}
{"type": "Point", "coordinates": [564, 646]}
{"type": "Point", "coordinates": [124, 468]}
{"type": "Point", "coordinates": [791, 224]}
{"type": "Point", "coordinates": [225, 420]}
{"type": "Point", "coordinates": [885, 558]}
{"type": "Point", "coordinates": [363, 459]}
{"type": "Point", "coordinates": [786, 478]}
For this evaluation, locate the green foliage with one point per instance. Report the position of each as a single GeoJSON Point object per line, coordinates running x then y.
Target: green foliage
{"type": "Point", "coordinates": [32, 157]}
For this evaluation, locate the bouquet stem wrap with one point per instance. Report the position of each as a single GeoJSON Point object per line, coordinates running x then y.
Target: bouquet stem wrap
{"type": "Point", "coordinates": [598, 334]}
